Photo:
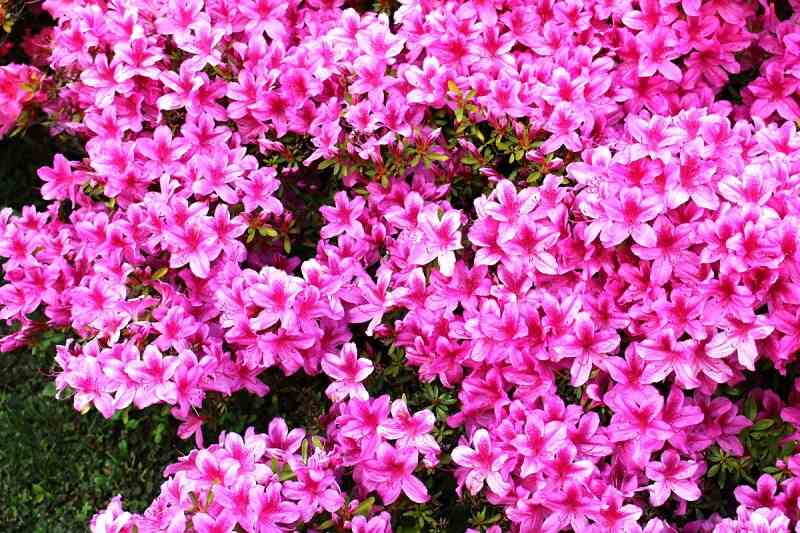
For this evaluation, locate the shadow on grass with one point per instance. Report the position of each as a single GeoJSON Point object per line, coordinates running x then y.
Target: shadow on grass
{"type": "Point", "coordinates": [58, 467]}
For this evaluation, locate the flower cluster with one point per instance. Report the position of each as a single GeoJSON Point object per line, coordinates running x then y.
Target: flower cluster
{"type": "Point", "coordinates": [580, 216]}
{"type": "Point", "coordinates": [268, 482]}
{"type": "Point", "coordinates": [19, 86]}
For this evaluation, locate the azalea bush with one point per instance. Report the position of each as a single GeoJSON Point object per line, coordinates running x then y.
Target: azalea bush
{"type": "Point", "coordinates": [491, 266]}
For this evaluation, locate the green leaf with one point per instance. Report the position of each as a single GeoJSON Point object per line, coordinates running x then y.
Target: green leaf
{"type": "Point", "coordinates": [267, 231]}
{"type": "Point", "coordinates": [49, 390]}
{"type": "Point", "coordinates": [761, 425]}
{"type": "Point", "coordinates": [750, 408]}
{"type": "Point", "coordinates": [160, 273]}
{"type": "Point", "coordinates": [788, 448]}
{"type": "Point", "coordinates": [365, 507]}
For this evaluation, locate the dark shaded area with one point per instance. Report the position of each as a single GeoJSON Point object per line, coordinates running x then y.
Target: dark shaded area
{"type": "Point", "coordinates": [20, 157]}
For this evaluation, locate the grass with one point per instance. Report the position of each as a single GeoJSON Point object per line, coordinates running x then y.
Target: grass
{"type": "Point", "coordinates": [58, 467]}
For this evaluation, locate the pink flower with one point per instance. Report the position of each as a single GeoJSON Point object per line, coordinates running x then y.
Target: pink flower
{"type": "Point", "coordinates": [569, 507]}
{"type": "Point", "coordinates": [140, 56]}
{"type": "Point", "coordinates": [531, 240]}
{"type": "Point", "coordinates": [215, 174]}
{"type": "Point", "coordinates": [152, 376]}
{"type": "Point", "coordinates": [196, 246]}
{"type": "Point", "coordinates": [562, 124]}
{"type": "Point", "coordinates": [343, 218]}
{"type": "Point", "coordinates": [269, 511]}
{"type": "Point", "coordinates": [392, 472]}
{"type": "Point", "coordinates": [376, 524]}
{"type": "Point", "coordinates": [222, 523]}
{"type": "Point", "coordinates": [672, 475]}
{"type": "Point", "coordinates": [348, 371]}
{"type": "Point", "coordinates": [315, 488]}
{"type": "Point", "coordinates": [775, 92]}
{"type": "Point", "coordinates": [376, 301]}
{"type": "Point", "coordinates": [483, 463]}
{"type": "Point", "coordinates": [507, 204]}
{"type": "Point", "coordinates": [61, 182]}
{"type": "Point", "coordinates": [429, 82]}
{"type": "Point", "coordinates": [740, 337]}
{"type": "Point", "coordinates": [638, 417]}
{"type": "Point", "coordinates": [627, 216]}
{"type": "Point", "coordinates": [659, 49]}
{"type": "Point", "coordinates": [162, 150]}
{"type": "Point", "coordinates": [378, 42]}
{"type": "Point", "coordinates": [411, 430]}
{"type": "Point", "coordinates": [274, 293]}
{"type": "Point", "coordinates": [439, 240]}
{"type": "Point", "coordinates": [655, 138]}
{"type": "Point", "coordinates": [202, 44]}
{"type": "Point", "coordinates": [614, 515]}
{"type": "Point", "coordinates": [258, 189]}
{"type": "Point", "coordinates": [764, 495]}
{"type": "Point", "coordinates": [371, 78]}
{"type": "Point", "coordinates": [669, 251]}
{"type": "Point", "coordinates": [588, 346]}
{"type": "Point", "coordinates": [264, 16]}
{"type": "Point", "coordinates": [664, 355]}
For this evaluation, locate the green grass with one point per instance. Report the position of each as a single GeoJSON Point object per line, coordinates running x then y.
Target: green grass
{"type": "Point", "coordinates": [58, 467]}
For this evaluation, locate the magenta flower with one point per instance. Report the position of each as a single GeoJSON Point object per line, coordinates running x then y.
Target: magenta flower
{"type": "Point", "coordinates": [655, 137]}
{"type": "Point", "coordinates": [587, 346]}
{"type": "Point", "coordinates": [376, 300]}
{"type": "Point", "coordinates": [429, 82]}
{"type": "Point", "coordinates": [764, 495]}
{"type": "Point", "coordinates": [439, 239]}
{"type": "Point", "coordinates": [222, 523]}
{"type": "Point", "coordinates": [175, 328]}
{"type": "Point", "coordinates": [348, 371]}
{"type": "Point", "coordinates": [563, 124]}
{"type": "Point", "coordinates": [614, 515]}
{"type": "Point", "coordinates": [671, 475]}
{"type": "Point", "coordinates": [343, 218]}
{"type": "Point", "coordinates": [61, 182]}
{"type": "Point", "coordinates": [392, 473]}
{"type": "Point", "coordinates": [270, 512]}
{"type": "Point", "coordinates": [739, 336]}
{"type": "Point", "coordinates": [378, 42]}
{"type": "Point", "coordinates": [569, 506]}
{"type": "Point", "coordinates": [659, 49]}
{"type": "Point", "coordinates": [376, 524]}
{"type": "Point", "coordinates": [639, 418]}
{"type": "Point", "coordinates": [152, 376]}
{"type": "Point", "coordinates": [627, 216]}
{"type": "Point", "coordinates": [483, 463]}
{"type": "Point", "coordinates": [258, 191]}
{"type": "Point", "coordinates": [315, 488]}
{"type": "Point", "coordinates": [274, 294]}
{"type": "Point", "coordinates": [411, 430]}
{"type": "Point", "coordinates": [194, 244]}
{"type": "Point", "coordinates": [775, 92]}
